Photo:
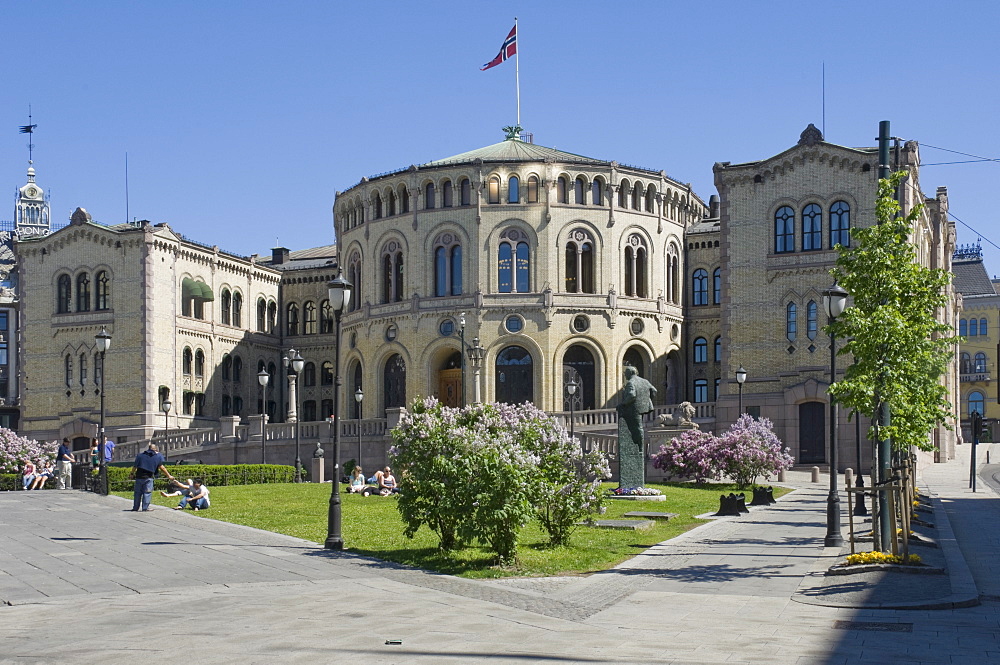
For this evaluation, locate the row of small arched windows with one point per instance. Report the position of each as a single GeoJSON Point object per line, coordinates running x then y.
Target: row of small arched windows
{"type": "Point", "coordinates": [97, 298]}
{"type": "Point", "coordinates": [193, 362]}
{"type": "Point", "coordinates": [972, 364]}
{"type": "Point", "coordinates": [308, 324]}
{"type": "Point", "coordinates": [232, 308]}
{"type": "Point", "coordinates": [792, 320]}
{"type": "Point", "coordinates": [973, 328]}
{"type": "Point", "coordinates": [839, 223]}
{"type": "Point", "coordinates": [83, 363]}
{"type": "Point", "coordinates": [700, 350]}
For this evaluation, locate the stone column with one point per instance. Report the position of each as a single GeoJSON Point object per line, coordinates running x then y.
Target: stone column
{"type": "Point", "coordinates": [293, 416]}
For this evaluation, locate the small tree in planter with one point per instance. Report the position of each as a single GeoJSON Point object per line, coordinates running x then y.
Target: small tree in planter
{"type": "Point", "coordinates": [750, 449]}
{"type": "Point", "coordinates": [693, 455]}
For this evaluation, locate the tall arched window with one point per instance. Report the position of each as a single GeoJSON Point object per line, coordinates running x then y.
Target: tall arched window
{"type": "Point", "coordinates": [784, 230]}
{"type": "Point", "coordinates": [562, 190]}
{"type": "Point", "coordinates": [83, 369]}
{"type": "Point", "coordinates": [493, 190]}
{"type": "Point", "coordinates": [465, 188]}
{"type": "Point", "coordinates": [227, 367]}
{"type": "Point", "coordinates": [199, 363]}
{"type": "Point", "coordinates": [261, 315]}
{"type": "Point", "coordinates": [98, 369]}
{"type": "Point", "coordinates": [326, 373]}
{"type": "Point", "coordinates": [700, 350]}
{"type": "Point", "coordinates": [392, 203]}
{"type": "Point", "coordinates": [325, 317]}
{"type": "Point", "coordinates": [977, 403]}
{"type": "Point", "coordinates": [699, 287]}
{"type": "Point", "coordinates": [292, 319]}
{"type": "Point", "coordinates": [982, 328]}
{"type": "Point", "coordinates": [237, 310]}
{"type": "Point", "coordinates": [226, 303]}
{"type": "Point", "coordinates": [404, 199]}
{"type": "Point", "coordinates": [812, 319]}
{"type": "Point", "coordinates": [580, 191]}
{"type": "Point", "coordinates": [717, 356]}
{"type": "Point", "coordinates": [717, 286]}
{"type": "Point", "coordinates": [673, 274]}
{"type": "Point", "coordinates": [636, 256]}
{"type": "Point", "coordinates": [237, 369]}
{"type": "Point", "coordinates": [791, 322]}
{"type": "Point", "coordinates": [309, 320]}
{"type": "Point", "coordinates": [68, 370]}
{"type": "Point", "coordinates": [356, 406]}
{"type": "Point", "coordinates": [378, 206]}
{"type": "Point", "coordinates": [514, 376]}
{"type": "Point", "coordinates": [447, 265]}
{"type": "Point", "coordinates": [513, 262]}
{"type": "Point", "coordinates": [64, 294]}
{"type": "Point", "coordinates": [354, 276]}
{"type": "Point", "coordinates": [447, 197]}
{"type": "Point", "coordinates": [309, 375]}
{"type": "Point", "coordinates": [965, 363]}
{"type": "Point", "coordinates": [392, 272]}
{"type": "Point", "coordinates": [533, 189]}
{"type": "Point", "coordinates": [812, 228]}
{"type": "Point", "coordinates": [623, 190]}
{"type": "Point", "coordinates": [102, 298]}
{"type": "Point", "coordinates": [187, 361]}
{"type": "Point", "coordinates": [700, 391]}
{"type": "Point", "coordinates": [840, 224]}
{"type": "Point", "coordinates": [272, 317]}
{"type": "Point", "coordinates": [980, 366]}
{"type": "Point", "coordinates": [513, 190]}
{"type": "Point", "coordinates": [650, 199]}
{"type": "Point", "coordinates": [83, 292]}
{"type": "Point", "coordinates": [973, 327]}
{"type": "Point", "coordinates": [394, 382]}
{"type": "Point", "coordinates": [596, 192]}
{"type": "Point", "coordinates": [963, 328]}
{"type": "Point", "coordinates": [580, 263]}
{"type": "Point", "coordinates": [429, 196]}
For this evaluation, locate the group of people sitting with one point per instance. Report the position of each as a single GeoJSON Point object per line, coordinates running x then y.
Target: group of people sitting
{"type": "Point", "coordinates": [383, 482]}
{"type": "Point", "coordinates": [34, 477]}
{"type": "Point", "coordinates": [194, 493]}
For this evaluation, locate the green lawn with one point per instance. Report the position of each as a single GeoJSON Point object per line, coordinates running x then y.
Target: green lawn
{"type": "Point", "coordinates": [372, 526]}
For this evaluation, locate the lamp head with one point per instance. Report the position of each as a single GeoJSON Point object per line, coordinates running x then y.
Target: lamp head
{"type": "Point", "coordinates": [741, 375]}
{"type": "Point", "coordinates": [359, 395]}
{"type": "Point", "coordinates": [572, 386]}
{"type": "Point", "coordinates": [103, 340]}
{"type": "Point", "coordinates": [835, 300]}
{"type": "Point", "coordinates": [166, 406]}
{"type": "Point", "coordinates": [338, 290]}
{"type": "Point", "coordinates": [297, 363]}
{"type": "Point", "coordinates": [461, 319]}
{"type": "Point", "coordinates": [262, 378]}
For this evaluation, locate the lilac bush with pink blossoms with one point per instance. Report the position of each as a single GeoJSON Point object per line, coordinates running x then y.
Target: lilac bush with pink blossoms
{"type": "Point", "coordinates": [692, 456]}
{"type": "Point", "coordinates": [16, 450]}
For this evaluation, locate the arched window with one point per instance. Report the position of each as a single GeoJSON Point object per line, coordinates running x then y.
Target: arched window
{"type": "Point", "coordinates": [237, 405]}
{"type": "Point", "coordinates": [188, 361]}
{"type": "Point", "coordinates": [326, 408]}
{"type": "Point", "coordinates": [392, 272]}
{"type": "Point", "coordinates": [580, 191]}
{"type": "Point", "coordinates": [466, 191]}
{"type": "Point", "coordinates": [514, 376]}
{"type": "Point", "coordinates": [965, 363]}
{"type": "Point", "coordinates": [309, 375]}
{"type": "Point", "coordinates": [429, 196]}
{"type": "Point", "coordinates": [83, 292]}
{"type": "Point", "coordinates": [98, 369]}
{"type": "Point", "coordinates": [636, 195]}
{"type": "Point", "coordinates": [700, 391]}
{"type": "Point", "coordinates": [973, 327]}
{"type": "Point", "coordinates": [699, 287]}
{"type": "Point", "coordinates": [309, 323]}
{"type": "Point", "coordinates": [812, 228]}
{"type": "Point", "coordinates": [596, 192]}
{"type": "Point", "coordinates": [623, 190]}
{"type": "Point", "coordinates": [354, 276]}
{"type": "Point", "coordinates": [650, 199]}
{"type": "Point", "coordinates": [784, 230]}
{"type": "Point", "coordinates": [199, 363]}
{"type": "Point", "coordinates": [717, 286]}
{"type": "Point", "coordinates": [977, 403]}
{"type": "Point", "coordinates": [226, 302]}
{"type": "Point", "coordinates": [562, 190]}
{"type": "Point", "coordinates": [272, 317]}
{"type": "Point", "coordinates": [982, 328]}
{"type": "Point", "coordinates": [326, 373]}
{"type": "Point", "coordinates": [325, 317]}
{"type": "Point", "coordinates": [309, 410]}
{"type": "Point", "coordinates": [102, 299]}
{"type": "Point", "coordinates": [513, 262]}
{"type": "Point", "coordinates": [404, 199]}
{"type": "Point", "coordinates": [791, 322]}
{"type": "Point", "coordinates": [378, 206]}
{"type": "Point", "coordinates": [226, 405]}
{"type": "Point", "coordinates": [292, 319]}
{"type": "Point", "coordinates": [394, 382]}
{"type": "Point", "coordinates": [513, 190]}
{"type": "Point", "coordinates": [68, 369]}
{"type": "Point", "coordinates": [811, 319]}
{"type": "Point", "coordinates": [493, 190]}
{"type": "Point", "coordinates": [83, 369]}
{"type": "Point", "coordinates": [237, 310]}
{"type": "Point", "coordinates": [963, 328]}
{"type": "Point", "coordinates": [700, 351]}
{"type": "Point", "coordinates": [447, 265]}
{"type": "Point", "coordinates": [673, 275]}
{"type": "Point", "coordinates": [840, 224]}
{"type": "Point", "coordinates": [237, 369]}
{"type": "Point", "coordinates": [636, 256]}
{"type": "Point", "coordinates": [64, 294]}
{"type": "Point", "coordinates": [580, 263]}
{"type": "Point", "coordinates": [227, 367]}
{"type": "Point", "coordinates": [717, 357]}
{"type": "Point", "coordinates": [446, 194]}
{"type": "Point", "coordinates": [392, 203]}
{"type": "Point", "coordinates": [980, 366]}
{"type": "Point", "coordinates": [261, 315]}
{"type": "Point", "coordinates": [533, 189]}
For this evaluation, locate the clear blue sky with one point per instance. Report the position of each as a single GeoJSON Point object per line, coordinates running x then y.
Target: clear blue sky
{"type": "Point", "coordinates": [242, 119]}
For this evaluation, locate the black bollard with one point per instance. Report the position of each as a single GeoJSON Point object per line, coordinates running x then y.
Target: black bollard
{"type": "Point", "coordinates": [741, 502]}
{"type": "Point", "coordinates": [762, 496]}
{"type": "Point", "coordinates": [728, 506]}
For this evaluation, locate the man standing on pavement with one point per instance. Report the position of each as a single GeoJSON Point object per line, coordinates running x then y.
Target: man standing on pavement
{"type": "Point", "coordinates": [109, 450]}
{"type": "Point", "coordinates": [144, 469]}
{"type": "Point", "coordinates": [64, 465]}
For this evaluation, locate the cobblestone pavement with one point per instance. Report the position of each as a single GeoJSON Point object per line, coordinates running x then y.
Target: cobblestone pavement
{"type": "Point", "coordinates": [86, 581]}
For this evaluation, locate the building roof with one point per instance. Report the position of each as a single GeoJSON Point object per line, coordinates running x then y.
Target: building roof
{"type": "Point", "coordinates": [514, 150]}
{"type": "Point", "coordinates": [302, 259]}
{"type": "Point", "coordinates": [971, 278]}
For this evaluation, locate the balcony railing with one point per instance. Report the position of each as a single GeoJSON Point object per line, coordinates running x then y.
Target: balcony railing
{"type": "Point", "coordinates": [983, 377]}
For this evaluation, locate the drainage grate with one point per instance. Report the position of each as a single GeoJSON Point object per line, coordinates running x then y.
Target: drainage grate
{"type": "Point", "coordinates": [882, 626]}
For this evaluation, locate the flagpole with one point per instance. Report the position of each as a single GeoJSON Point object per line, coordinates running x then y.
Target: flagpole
{"type": "Point", "coordinates": [517, 71]}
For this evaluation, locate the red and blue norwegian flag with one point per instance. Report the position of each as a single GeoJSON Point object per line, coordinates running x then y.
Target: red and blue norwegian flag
{"type": "Point", "coordinates": [508, 49]}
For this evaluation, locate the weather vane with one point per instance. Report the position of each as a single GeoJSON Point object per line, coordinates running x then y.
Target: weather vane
{"type": "Point", "coordinates": [29, 129]}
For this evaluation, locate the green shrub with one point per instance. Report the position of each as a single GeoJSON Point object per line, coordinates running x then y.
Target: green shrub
{"type": "Point", "coordinates": [213, 475]}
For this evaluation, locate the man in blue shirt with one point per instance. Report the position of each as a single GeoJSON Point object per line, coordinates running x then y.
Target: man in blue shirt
{"type": "Point", "coordinates": [109, 450]}
{"type": "Point", "coordinates": [144, 469]}
{"type": "Point", "coordinates": [64, 465]}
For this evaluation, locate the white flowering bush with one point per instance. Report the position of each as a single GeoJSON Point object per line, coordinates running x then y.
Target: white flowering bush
{"type": "Point", "coordinates": [482, 472]}
{"type": "Point", "coordinates": [16, 450]}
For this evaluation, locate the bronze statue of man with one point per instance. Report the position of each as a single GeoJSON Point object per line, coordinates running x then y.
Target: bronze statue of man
{"type": "Point", "coordinates": [637, 401]}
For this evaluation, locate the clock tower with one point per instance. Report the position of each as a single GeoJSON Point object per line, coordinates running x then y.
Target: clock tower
{"type": "Point", "coordinates": [31, 215]}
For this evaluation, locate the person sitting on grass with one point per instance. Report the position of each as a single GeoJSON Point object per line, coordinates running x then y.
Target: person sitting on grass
{"type": "Point", "coordinates": [43, 475]}
{"type": "Point", "coordinates": [197, 496]}
{"type": "Point", "coordinates": [177, 488]}
{"type": "Point", "coordinates": [29, 474]}
{"type": "Point", "coordinates": [386, 482]}
{"type": "Point", "coordinates": [358, 483]}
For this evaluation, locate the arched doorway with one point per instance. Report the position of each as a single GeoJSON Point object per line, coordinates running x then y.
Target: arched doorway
{"type": "Point", "coordinates": [394, 382]}
{"type": "Point", "coordinates": [578, 365]}
{"type": "Point", "coordinates": [812, 432]}
{"type": "Point", "coordinates": [634, 357]}
{"type": "Point", "coordinates": [450, 381]}
{"type": "Point", "coordinates": [514, 378]}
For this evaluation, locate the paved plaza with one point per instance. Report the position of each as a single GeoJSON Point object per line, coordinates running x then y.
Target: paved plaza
{"type": "Point", "coordinates": [84, 580]}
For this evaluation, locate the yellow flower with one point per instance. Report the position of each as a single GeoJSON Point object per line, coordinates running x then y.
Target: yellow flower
{"type": "Point", "coordinates": [880, 557]}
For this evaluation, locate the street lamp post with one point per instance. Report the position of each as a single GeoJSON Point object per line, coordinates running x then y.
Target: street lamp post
{"type": "Point", "coordinates": [103, 340]}
{"type": "Point", "coordinates": [461, 323]}
{"type": "Point", "coordinates": [475, 353]}
{"type": "Point", "coordinates": [834, 302]}
{"type": "Point", "coordinates": [741, 378]}
{"type": "Point", "coordinates": [339, 292]}
{"type": "Point", "coordinates": [359, 395]}
{"type": "Point", "coordinates": [262, 378]}
{"type": "Point", "coordinates": [571, 389]}
{"type": "Point", "coordinates": [295, 362]}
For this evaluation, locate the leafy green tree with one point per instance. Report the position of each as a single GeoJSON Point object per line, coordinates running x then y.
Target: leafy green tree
{"type": "Point", "coordinates": [899, 347]}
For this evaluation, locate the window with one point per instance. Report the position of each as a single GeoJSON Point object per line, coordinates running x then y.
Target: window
{"type": "Point", "coordinates": [227, 367]}
{"type": "Point", "coordinates": [68, 367]}
{"type": "Point", "coordinates": [226, 405]}
{"type": "Point", "coordinates": [493, 190]}
{"type": "Point", "coordinates": [700, 351]}
{"type": "Point", "coordinates": [562, 190]}
{"type": "Point", "coordinates": [404, 199]}
{"type": "Point", "coordinates": [326, 374]}
{"type": "Point", "coordinates": [784, 230]}
{"type": "Point", "coordinates": [533, 189]}
{"type": "Point", "coordinates": [392, 204]}
{"type": "Point", "coordinates": [199, 404]}
{"type": "Point", "coordinates": [623, 189]}
{"type": "Point", "coordinates": [977, 403]}
{"type": "Point", "coordinates": [596, 189]}
{"type": "Point", "coordinates": [83, 369]}
{"type": "Point", "coordinates": [791, 322]}
{"type": "Point", "coordinates": [812, 228]}
{"type": "Point", "coordinates": [64, 291]}
{"type": "Point", "coordinates": [580, 263]}
{"type": "Point", "coordinates": [979, 368]}
{"type": "Point", "coordinates": [326, 317]}
{"type": "Point", "coordinates": [699, 287]}
{"type": "Point", "coordinates": [326, 408]}
{"type": "Point", "coordinates": [965, 363]}
{"type": "Point", "coordinates": [354, 276]}
{"type": "Point", "coordinates": [580, 191]}
{"type": "Point", "coordinates": [237, 369]}
{"type": "Point", "coordinates": [973, 327]}
{"type": "Point", "coordinates": [237, 310]}
{"type": "Point", "coordinates": [199, 363]}
{"type": "Point", "coordinates": [102, 299]}
{"type": "Point", "coordinates": [309, 410]}
{"type": "Point", "coordinates": [840, 224]}
{"type": "Point", "coordinates": [513, 190]}
{"type": "Point", "coordinates": [650, 199]}
{"type": "Point", "coordinates": [717, 357]}
{"type": "Point", "coordinates": [188, 361]}
{"type": "Point", "coordinates": [309, 375]}
{"type": "Point", "coordinates": [378, 206]}
{"type": "Point", "coordinates": [446, 194]}
{"type": "Point", "coordinates": [513, 324]}
{"type": "Point", "coordinates": [635, 266]}
{"type": "Point", "coordinates": [982, 327]}
{"type": "Point", "coordinates": [963, 328]}
{"type": "Point", "coordinates": [83, 292]}
{"type": "Point", "coordinates": [811, 319]}
{"type": "Point", "coordinates": [717, 286]}
{"type": "Point", "coordinates": [673, 274]}
{"type": "Point", "coordinates": [309, 325]}
{"type": "Point", "coordinates": [392, 272]}
{"type": "Point", "coordinates": [237, 406]}
{"type": "Point", "coordinates": [261, 315]}
{"type": "Point", "coordinates": [715, 394]}
{"type": "Point", "coordinates": [227, 303]}
{"type": "Point", "coordinates": [513, 262]}
{"type": "Point", "coordinates": [188, 403]}
{"type": "Point", "coordinates": [700, 391]}
{"type": "Point", "coordinates": [292, 319]}
{"type": "Point", "coordinates": [98, 369]}
{"type": "Point", "coordinates": [466, 191]}
{"type": "Point", "coordinates": [447, 265]}
{"type": "Point", "coordinates": [636, 195]}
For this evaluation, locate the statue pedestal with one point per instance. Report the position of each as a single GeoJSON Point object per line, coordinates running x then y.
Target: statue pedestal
{"type": "Point", "coordinates": [636, 497]}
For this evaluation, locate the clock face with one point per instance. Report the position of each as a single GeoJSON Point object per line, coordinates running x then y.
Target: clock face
{"type": "Point", "coordinates": [31, 191]}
